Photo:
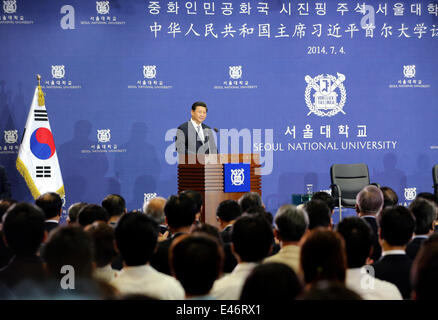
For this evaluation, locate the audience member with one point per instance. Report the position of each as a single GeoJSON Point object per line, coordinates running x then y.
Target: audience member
{"type": "Point", "coordinates": [196, 197]}
{"type": "Point", "coordinates": [273, 282]}
{"type": "Point", "coordinates": [327, 198]}
{"type": "Point", "coordinates": [250, 200]}
{"type": "Point", "coordinates": [51, 204]}
{"type": "Point", "coordinates": [155, 209]}
{"type": "Point", "coordinates": [369, 203]}
{"type": "Point", "coordinates": [5, 251]}
{"type": "Point", "coordinates": [251, 239]}
{"type": "Point", "coordinates": [189, 254]}
{"type": "Point", "coordinates": [425, 213]}
{"type": "Point", "coordinates": [319, 214]}
{"type": "Point", "coordinates": [358, 238]}
{"type": "Point", "coordinates": [136, 238]}
{"type": "Point", "coordinates": [23, 232]}
{"type": "Point", "coordinates": [329, 290]}
{"type": "Point", "coordinates": [290, 225]}
{"type": "Point", "coordinates": [180, 214]}
{"type": "Point", "coordinates": [396, 228]}
{"type": "Point", "coordinates": [424, 274]}
{"type": "Point", "coordinates": [104, 250]}
{"type": "Point", "coordinates": [390, 197]}
{"type": "Point", "coordinates": [115, 205]}
{"type": "Point", "coordinates": [73, 212]}
{"type": "Point", "coordinates": [323, 257]}
{"type": "Point", "coordinates": [227, 212]}
{"type": "Point", "coordinates": [90, 213]}
{"type": "Point", "coordinates": [5, 186]}
{"type": "Point", "coordinates": [428, 196]}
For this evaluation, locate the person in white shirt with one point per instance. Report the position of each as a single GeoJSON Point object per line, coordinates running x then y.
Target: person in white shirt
{"type": "Point", "coordinates": [136, 238]}
{"type": "Point", "coordinates": [251, 239]}
{"type": "Point", "coordinates": [360, 277]}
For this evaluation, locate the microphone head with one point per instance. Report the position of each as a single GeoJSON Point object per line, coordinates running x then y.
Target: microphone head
{"type": "Point", "coordinates": [215, 129]}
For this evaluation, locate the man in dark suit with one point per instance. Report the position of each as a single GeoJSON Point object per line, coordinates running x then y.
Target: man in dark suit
{"type": "Point", "coordinates": [193, 136]}
{"type": "Point", "coordinates": [51, 204]}
{"type": "Point", "coordinates": [5, 186]}
{"type": "Point", "coordinates": [369, 203]}
{"type": "Point", "coordinates": [396, 228]}
{"type": "Point", "coordinates": [425, 213]}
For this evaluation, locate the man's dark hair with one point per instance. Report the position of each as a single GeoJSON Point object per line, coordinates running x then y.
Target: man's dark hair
{"type": "Point", "coordinates": [199, 104]}
{"type": "Point", "coordinates": [271, 281]}
{"type": "Point", "coordinates": [5, 204]}
{"type": "Point", "coordinates": [196, 197]}
{"type": "Point", "coordinates": [180, 211]}
{"type": "Point", "coordinates": [358, 237]}
{"type": "Point", "coordinates": [291, 223]}
{"type": "Point", "coordinates": [396, 224]}
{"type": "Point", "coordinates": [196, 261]}
{"type": "Point", "coordinates": [250, 200]}
{"type": "Point", "coordinates": [69, 245]}
{"type": "Point", "coordinates": [50, 203]}
{"type": "Point", "coordinates": [390, 197]}
{"type": "Point", "coordinates": [114, 204]}
{"type": "Point", "coordinates": [252, 237]}
{"type": "Point", "coordinates": [319, 214]}
{"type": "Point", "coordinates": [90, 213]}
{"type": "Point", "coordinates": [327, 198]}
{"type": "Point", "coordinates": [323, 256]}
{"type": "Point", "coordinates": [329, 290]}
{"type": "Point", "coordinates": [428, 196]}
{"type": "Point", "coordinates": [23, 228]}
{"type": "Point", "coordinates": [103, 237]}
{"type": "Point", "coordinates": [424, 273]}
{"type": "Point", "coordinates": [425, 213]}
{"type": "Point", "coordinates": [73, 211]}
{"type": "Point", "coordinates": [228, 210]}
{"type": "Point", "coordinates": [136, 237]}
{"type": "Point", "coordinates": [205, 228]}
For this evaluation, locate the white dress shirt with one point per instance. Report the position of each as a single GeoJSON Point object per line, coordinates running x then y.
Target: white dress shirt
{"type": "Point", "coordinates": [229, 287]}
{"type": "Point", "coordinates": [106, 273]}
{"type": "Point", "coordinates": [199, 130]}
{"type": "Point", "coordinates": [370, 288]}
{"type": "Point", "coordinates": [146, 280]}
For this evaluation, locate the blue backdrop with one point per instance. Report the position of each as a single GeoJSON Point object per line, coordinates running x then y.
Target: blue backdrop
{"type": "Point", "coordinates": [119, 74]}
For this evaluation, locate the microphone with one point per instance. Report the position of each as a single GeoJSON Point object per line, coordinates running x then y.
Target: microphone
{"type": "Point", "coordinates": [215, 129]}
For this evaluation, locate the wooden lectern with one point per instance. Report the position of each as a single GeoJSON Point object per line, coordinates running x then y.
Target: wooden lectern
{"type": "Point", "coordinates": [205, 173]}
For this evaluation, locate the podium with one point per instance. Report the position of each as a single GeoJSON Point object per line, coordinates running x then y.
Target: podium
{"type": "Point", "coordinates": [205, 174]}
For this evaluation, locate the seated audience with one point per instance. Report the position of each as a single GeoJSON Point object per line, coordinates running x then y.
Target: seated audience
{"type": "Point", "coordinates": [251, 240]}
{"type": "Point", "coordinates": [136, 238]}
{"type": "Point", "coordinates": [196, 261]}
{"type": "Point", "coordinates": [196, 197]}
{"type": "Point", "coordinates": [227, 212]}
{"type": "Point", "coordinates": [359, 245]}
{"type": "Point", "coordinates": [424, 275]}
{"type": "Point", "coordinates": [425, 213]}
{"type": "Point", "coordinates": [155, 209]}
{"type": "Point", "coordinates": [396, 228]}
{"type": "Point", "coordinates": [323, 257]}
{"type": "Point", "coordinates": [73, 212]}
{"type": "Point", "coordinates": [104, 250]}
{"type": "Point", "coordinates": [250, 200]}
{"type": "Point", "coordinates": [369, 203]}
{"type": "Point", "coordinates": [115, 205]}
{"type": "Point", "coordinates": [290, 225]}
{"type": "Point", "coordinates": [329, 290]}
{"type": "Point", "coordinates": [319, 214]}
{"type": "Point", "coordinates": [272, 281]}
{"type": "Point", "coordinates": [390, 197]}
{"type": "Point", "coordinates": [180, 214]}
{"type": "Point", "coordinates": [327, 198]}
{"type": "Point", "coordinates": [90, 213]}
{"type": "Point", "coordinates": [51, 204]}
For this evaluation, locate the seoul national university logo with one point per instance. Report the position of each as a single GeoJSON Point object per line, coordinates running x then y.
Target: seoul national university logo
{"type": "Point", "coordinates": [235, 72]}
{"type": "Point", "coordinates": [11, 136]}
{"type": "Point", "coordinates": [237, 177]}
{"type": "Point", "coordinates": [409, 71]}
{"type": "Point", "coordinates": [410, 193]}
{"type": "Point", "coordinates": [149, 72]}
{"type": "Point", "coordinates": [325, 102]}
{"type": "Point", "coordinates": [104, 135]}
{"type": "Point", "coordinates": [10, 6]}
{"type": "Point", "coordinates": [102, 7]}
{"type": "Point", "coordinates": [58, 72]}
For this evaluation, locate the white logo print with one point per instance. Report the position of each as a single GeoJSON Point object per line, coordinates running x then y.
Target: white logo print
{"type": "Point", "coordinates": [235, 72]}
{"type": "Point", "coordinates": [10, 6]}
{"type": "Point", "coordinates": [11, 136]}
{"type": "Point", "coordinates": [410, 193]}
{"type": "Point", "coordinates": [104, 135]}
{"type": "Point", "coordinates": [325, 98]}
{"type": "Point", "coordinates": [149, 72]}
{"type": "Point", "coordinates": [409, 71]}
{"type": "Point", "coordinates": [237, 177]}
{"type": "Point", "coordinates": [58, 72]}
{"type": "Point", "coordinates": [102, 7]}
